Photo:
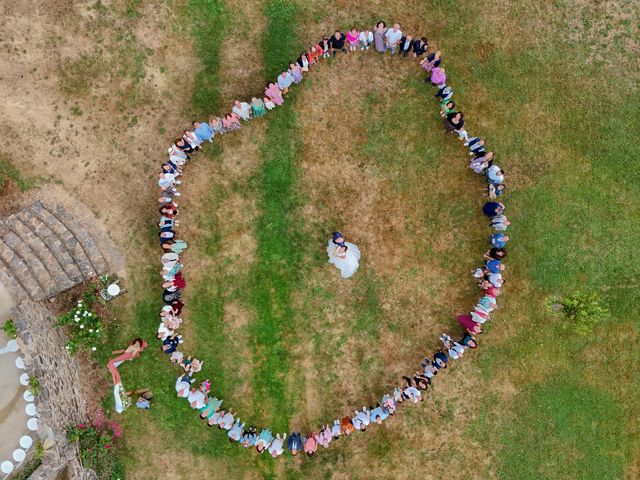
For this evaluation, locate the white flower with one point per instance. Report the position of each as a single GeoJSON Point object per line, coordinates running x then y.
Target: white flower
{"type": "Point", "coordinates": [91, 330]}
{"type": "Point", "coordinates": [67, 347]}
{"type": "Point", "coordinates": [81, 326]}
{"type": "Point", "coordinates": [93, 349]}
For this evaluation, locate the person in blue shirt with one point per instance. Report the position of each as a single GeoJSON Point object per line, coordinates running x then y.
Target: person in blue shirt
{"type": "Point", "coordinates": [203, 131]}
{"type": "Point", "coordinates": [495, 266]}
{"type": "Point", "coordinates": [379, 414]}
{"type": "Point", "coordinates": [499, 240]}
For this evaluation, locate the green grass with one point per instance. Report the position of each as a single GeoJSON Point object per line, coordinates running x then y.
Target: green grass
{"type": "Point", "coordinates": [274, 274]}
{"type": "Point", "coordinates": [8, 172]}
{"type": "Point", "coordinates": [564, 131]}
{"type": "Point", "coordinates": [563, 429]}
{"type": "Point", "coordinates": [208, 20]}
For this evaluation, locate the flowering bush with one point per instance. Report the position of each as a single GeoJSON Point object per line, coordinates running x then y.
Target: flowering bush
{"type": "Point", "coordinates": [99, 448]}
{"type": "Point", "coordinates": [84, 327]}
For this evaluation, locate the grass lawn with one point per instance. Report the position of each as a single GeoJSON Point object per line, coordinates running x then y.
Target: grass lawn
{"type": "Point", "coordinates": [359, 147]}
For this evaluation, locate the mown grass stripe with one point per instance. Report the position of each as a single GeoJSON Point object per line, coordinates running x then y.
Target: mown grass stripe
{"type": "Point", "coordinates": [273, 275]}
{"type": "Point", "coordinates": [208, 20]}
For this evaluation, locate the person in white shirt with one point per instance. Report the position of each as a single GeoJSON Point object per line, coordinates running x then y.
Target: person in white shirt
{"type": "Point", "coordinates": [362, 419]}
{"type": "Point", "coordinates": [495, 174]}
{"type": "Point", "coordinates": [393, 37]}
{"type": "Point", "coordinates": [365, 39]}
{"type": "Point", "coordinates": [413, 394]}
{"type": "Point", "coordinates": [277, 445]}
{"type": "Point", "coordinates": [242, 109]}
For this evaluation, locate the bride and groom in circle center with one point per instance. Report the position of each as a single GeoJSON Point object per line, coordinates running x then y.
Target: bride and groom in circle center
{"type": "Point", "coordinates": [343, 255]}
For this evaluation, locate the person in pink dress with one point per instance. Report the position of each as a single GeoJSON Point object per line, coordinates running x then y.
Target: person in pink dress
{"type": "Point", "coordinates": [353, 37]}
{"type": "Point", "coordinates": [438, 76]}
{"type": "Point", "coordinates": [135, 348]}
{"type": "Point", "coordinates": [273, 92]}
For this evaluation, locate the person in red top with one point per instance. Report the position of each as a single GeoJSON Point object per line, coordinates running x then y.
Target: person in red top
{"type": "Point", "coordinates": [314, 53]}
{"type": "Point", "coordinates": [178, 283]}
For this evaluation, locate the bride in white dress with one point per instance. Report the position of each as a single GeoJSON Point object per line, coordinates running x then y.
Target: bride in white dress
{"type": "Point", "coordinates": [343, 255]}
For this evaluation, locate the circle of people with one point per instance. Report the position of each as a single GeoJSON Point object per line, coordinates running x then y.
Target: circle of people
{"type": "Point", "coordinates": [489, 276]}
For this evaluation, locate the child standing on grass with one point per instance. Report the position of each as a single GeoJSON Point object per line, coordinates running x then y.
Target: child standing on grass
{"type": "Point", "coordinates": [325, 47]}
{"type": "Point", "coordinates": [366, 39]}
{"type": "Point", "coordinates": [353, 37]}
{"type": "Point", "coordinates": [446, 107]}
{"type": "Point", "coordinates": [268, 103]}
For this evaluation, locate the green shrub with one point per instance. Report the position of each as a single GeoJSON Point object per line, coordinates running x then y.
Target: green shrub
{"type": "Point", "coordinates": [583, 310]}
{"type": "Point", "coordinates": [9, 328]}
{"type": "Point", "coordinates": [84, 328]}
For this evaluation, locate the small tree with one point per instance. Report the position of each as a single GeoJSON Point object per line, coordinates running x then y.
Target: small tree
{"type": "Point", "coordinates": [583, 310]}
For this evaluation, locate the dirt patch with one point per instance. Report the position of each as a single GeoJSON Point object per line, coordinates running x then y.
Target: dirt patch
{"type": "Point", "coordinates": [90, 126]}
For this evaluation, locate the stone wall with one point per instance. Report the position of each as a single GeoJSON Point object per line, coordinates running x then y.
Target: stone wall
{"type": "Point", "coordinates": [60, 402]}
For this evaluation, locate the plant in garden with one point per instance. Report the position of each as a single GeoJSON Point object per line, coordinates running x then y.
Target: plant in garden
{"type": "Point", "coordinates": [84, 328]}
{"type": "Point", "coordinates": [99, 447]}
{"type": "Point", "coordinates": [582, 309]}
{"type": "Point", "coordinates": [34, 386]}
{"type": "Point", "coordinates": [9, 328]}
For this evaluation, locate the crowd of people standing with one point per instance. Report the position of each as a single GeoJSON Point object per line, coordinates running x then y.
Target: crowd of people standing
{"type": "Point", "coordinates": [489, 276]}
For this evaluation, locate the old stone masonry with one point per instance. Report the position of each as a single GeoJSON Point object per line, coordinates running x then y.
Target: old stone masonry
{"type": "Point", "coordinates": [45, 249]}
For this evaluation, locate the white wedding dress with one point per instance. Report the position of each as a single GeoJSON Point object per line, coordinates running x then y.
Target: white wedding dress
{"type": "Point", "coordinates": [347, 265]}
